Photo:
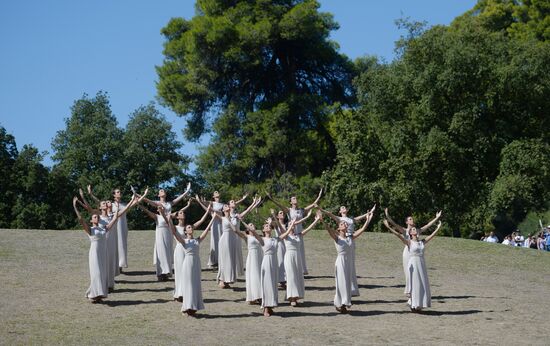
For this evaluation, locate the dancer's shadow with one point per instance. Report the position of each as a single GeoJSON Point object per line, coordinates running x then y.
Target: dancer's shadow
{"type": "Point", "coordinates": [318, 288]}
{"type": "Point", "coordinates": [219, 300]}
{"type": "Point", "coordinates": [452, 297]}
{"type": "Point", "coordinates": [135, 282]}
{"type": "Point", "coordinates": [307, 277]}
{"type": "Point", "coordinates": [294, 313]}
{"type": "Point", "coordinates": [131, 290]}
{"type": "Point", "coordinates": [451, 313]}
{"type": "Point", "coordinates": [378, 301]}
{"type": "Point", "coordinates": [207, 316]}
{"type": "Point", "coordinates": [139, 273]}
{"type": "Point", "coordinates": [238, 289]}
{"type": "Point", "coordinates": [376, 277]}
{"type": "Point", "coordinates": [115, 303]}
{"type": "Point", "coordinates": [374, 313]}
{"type": "Point", "coordinates": [381, 286]}
{"type": "Point", "coordinates": [309, 304]}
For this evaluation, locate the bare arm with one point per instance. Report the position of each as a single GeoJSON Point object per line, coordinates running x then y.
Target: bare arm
{"type": "Point", "coordinates": [331, 232]}
{"type": "Point", "coordinates": [180, 197]}
{"type": "Point", "coordinates": [304, 218]}
{"type": "Point", "coordinates": [314, 202]}
{"type": "Point", "coordinates": [85, 203]}
{"type": "Point", "coordinates": [310, 227]}
{"type": "Point", "coordinates": [288, 230]}
{"type": "Point", "coordinates": [199, 201]}
{"type": "Point", "coordinates": [329, 214]}
{"type": "Point", "coordinates": [397, 234]}
{"type": "Point", "coordinates": [430, 224]}
{"type": "Point", "coordinates": [148, 212]}
{"type": "Point", "coordinates": [255, 203]}
{"type": "Point", "coordinates": [174, 214]}
{"type": "Point", "coordinates": [92, 194]}
{"type": "Point", "coordinates": [252, 229]}
{"type": "Point", "coordinates": [198, 223]}
{"type": "Point", "coordinates": [282, 207]}
{"type": "Point", "coordinates": [85, 226]}
{"type": "Point", "coordinates": [430, 237]}
{"type": "Point", "coordinates": [206, 230]}
{"type": "Point", "coordinates": [357, 233]}
{"type": "Point", "coordinates": [172, 227]}
{"type": "Point", "coordinates": [242, 199]}
{"type": "Point", "coordinates": [390, 220]}
{"type": "Point", "coordinates": [364, 216]}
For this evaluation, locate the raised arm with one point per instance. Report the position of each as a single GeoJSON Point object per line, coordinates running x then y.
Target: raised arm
{"type": "Point", "coordinates": [85, 203]}
{"type": "Point", "coordinates": [203, 218]}
{"type": "Point", "coordinates": [206, 230]}
{"type": "Point", "coordinates": [430, 224]}
{"type": "Point", "coordinates": [240, 234]}
{"type": "Point", "coordinates": [430, 237]}
{"type": "Point", "coordinates": [289, 229]}
{"type": "Point", "coordinates": [180, 197]}
{"type": "Point", "coordinates": [171, 226]}
{"type": "Point", "coordinates": [277, 203]}
{"type": "Point", "coordinates": [92, 194]}
{"type": "Point", "coordinates": [397, 234]}
{"type": "Point", "coordinates": [329, 214]}
{"type": "Point", "coordinates": [364, 216]}
{"type": "Point", "coordinates": [310, 227]}
{"type": "Point", "coordinates": [242, 199]}
{"type": "Point", "coordinates": [360, 231]}
{"type": "Point", "coordinates": [199, 201]}
{"type": "Point", "coordinates": [85, 226]}
{"type": "Point", "coordinates": [148, 212]}
{"type": "Point", "coordinates": [390, 220]}
{"type": "Point", "coordinates": [314, 202]}
{"type": "Point", "coordinates": [254, 204]}
{"type": "Point", "coordinates": [174, 214]}
{"type": "Point", "coordinates": [332, 233]}
{"type": "Point", "coordinates": [304, 218]}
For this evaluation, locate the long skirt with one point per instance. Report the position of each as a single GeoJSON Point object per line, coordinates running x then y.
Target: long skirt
{"type": "Point", "coordinates": [179, 282]}
{"type": "Point", "coordinates": [97, 262]}
{"type": "Point", "coordinates": [192, 290]}
{"type": "Point", "coordinates": [269, 278]}
{"type": "Point", "coordinates": [421, 296]}
{"type": "Point", "coordinates": [215, 234]}
{"type": "Point", "coordinates": [295, 286]}
{"type": "Point", "coordinates": [253, 271]}
{"type": "Point", "coordinates": [342, 275]}
{"type": "Point", "coordinates": [163, 250]}
{"type": "Point", "coordinates": [227, 267]}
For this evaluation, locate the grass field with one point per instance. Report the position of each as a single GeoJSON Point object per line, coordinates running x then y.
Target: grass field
{"type": "Point", "coordinates": [482, 294]}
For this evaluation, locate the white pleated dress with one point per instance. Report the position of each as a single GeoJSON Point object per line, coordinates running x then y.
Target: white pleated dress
{"type": "Point", "coordinates": [163, 246]}
{"type": "Point", "coordinates": [253, 269]}
{"type": "Point", "coordinates": [421, 296]}
{"type": "Point", "coordinates": [350, 231]}
{"type": "Point", "coordinates": [191, 274]}
{"type": "Point", "coordinates": [227, 266]}
{"type": "Point", "coordinates": [281, 250]}
{"type": "Point", "coordinates": [179, 256]}
{"type": "Point", "coordinates": [215, 234]}
{"type": "Point", "coordinates": [406, 265]}
{"type": "Point", "coordinates": [269, 276]}
{"type": "Point", "coordinates": [122, 229]}
{"type": "Point", "coordinates": [112, 250]}
{"type": "Point", "coordinates": [238, 246]}
{"type": "Point", "coordinates": [298, 214]}
{"type": "Point", "coordinates": [97, 261]}
{"type": "Point", "coordinates": [295, 286]}
{"type": "Point", "coordinates": [342, 272]}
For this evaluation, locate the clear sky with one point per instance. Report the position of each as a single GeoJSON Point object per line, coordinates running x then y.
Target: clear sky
{"type": "Point", "coordinates": [52, 52]}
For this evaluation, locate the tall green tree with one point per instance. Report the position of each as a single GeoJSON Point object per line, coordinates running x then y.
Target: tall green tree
{"type": "Point", "coordinates": [262, 73]}
{"type": "Point", "coordinates": [89, 150]}
{"type": "Point", "coordinates": [8, 155]}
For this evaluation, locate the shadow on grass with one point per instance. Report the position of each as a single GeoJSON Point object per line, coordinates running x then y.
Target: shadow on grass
{"type": "Point", "coordinates": [309, 277]}
{"type": "Point", "coordinates": [219, 300]}
{"type": "Point", "coordinates": [379, 301]}
{"type": "Point", "coordinates": [427, 313]}
{"type": "Point", "coordinates": [115, 303]}
{"type": "Point", "coordinates": [442, 313]}
{"type": "Point", "coordinates": [317, 288]}
{"type": "Point", "coordinates": [132, 290]}
{"type": "Point", "coordinates": [381, 286]}
{"type": "Point", "coordinates": [287, 314]}
{"type": "Point", "coordinates": [308, 304]}
{"type": "Point", "coordinates": [452, 297]}
{"type": "Point", "coordinates": [139, 273]}
{"type": "Point", "coordinates": [207, 316]}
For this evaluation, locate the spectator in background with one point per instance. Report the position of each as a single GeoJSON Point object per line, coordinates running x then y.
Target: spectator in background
{"type": "Point", "coordinates": [548, 238]}
{"type": "Point", "coordinates": [528, 241]}
{"type": "Point", "coordinates": [492, 238]}
{"type": "Point", "coordinates": [507, 240]}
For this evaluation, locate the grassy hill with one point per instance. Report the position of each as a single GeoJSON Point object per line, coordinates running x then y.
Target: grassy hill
{"type": "Point", "coordinates": [482, 294]}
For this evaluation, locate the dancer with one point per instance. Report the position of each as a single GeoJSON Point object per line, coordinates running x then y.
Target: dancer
{"type": "Point", "coordinates": [278, 228]}
{"type": "Point", "coordinates": [409, 221]}
{"type": "Point", "coordinates": [216, 233]}
{"type": "Point", "coordinates": [295, 286]}
{"type": "Point", "coordinates": [163, 242]}
{"type": "Point", "coordinates": [269, 266]}
{"type": "Point", "coordinates": [97, 254]}
{"type": "Point", "coordinates": [342, 265]}
{"type": "Point", "coordinates": [236, 220]}
{"type": "Point", "coordinates": [179, 251]}
{"type": "Point", "coordinates": [253, 266]}
{"type": "Point", "coordinates": [351, 229]}
{"type": "Point", "coordinates": [294, 212]}
{"type": "Point", "coordinates": [191, 273]}
{"type": "Point", "coordinates": [420, 294]}
{"type": "Point", "coordinates": [122, 230]}
{"type": "Point", "coordinates": [162, 195]}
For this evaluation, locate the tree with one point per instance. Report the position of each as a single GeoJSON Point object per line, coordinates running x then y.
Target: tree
{"type": "Point", "coordinates": [89, 150]}
{"type": "Point", "coordinates": [8, 155]}
{"type": "Point", "coordinates": [264, 72]}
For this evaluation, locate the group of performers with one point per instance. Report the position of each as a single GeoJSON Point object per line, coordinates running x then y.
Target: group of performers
{"type": "Point", "coordinates": [275, 260]}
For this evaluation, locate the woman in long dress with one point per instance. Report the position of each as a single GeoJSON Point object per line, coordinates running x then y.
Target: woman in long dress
{"type": "Point", "coordinates": [343, 263]}
{"type": "Point", "coordinates": [351, 229]}
{"type": "Point", "coordinates": [420, 294]}
{"type": "Point", "coordinates": [278, 228]}
{"type": "Point", "coordinates": [122, 230]}
{"type": "Point", "coordinates": [409, 221]}
{"type": "Point", "coordinates": [216, 232]}
{"type": "Point", "coordinates": [191, 273]}
{"type": "Point", "coordinates": [227, 262]}
{"type": "Point", "coordinates": [295, 286]}
{"type": "Point", "coordinates": [237, 223]}
{"type": "Point", "coordinates": [179, 251]}
{"type": "Point", "coordinates": [97, 254]}
{"type": "Point", "coordinates": [295, 212]}
{"type": "Point", "coordinates": [163, 242]}
{"type": "Point", "coordinates": [253, 266]}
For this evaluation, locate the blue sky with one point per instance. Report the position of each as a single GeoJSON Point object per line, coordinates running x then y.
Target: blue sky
{"type": "Point", "coordinates": [52, 52]}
